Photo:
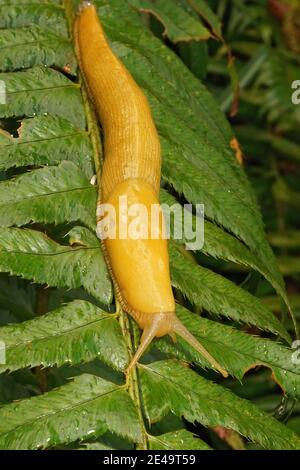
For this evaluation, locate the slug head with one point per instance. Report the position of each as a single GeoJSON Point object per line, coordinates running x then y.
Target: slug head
{"type": "Point", "coordinates": [161, 324]}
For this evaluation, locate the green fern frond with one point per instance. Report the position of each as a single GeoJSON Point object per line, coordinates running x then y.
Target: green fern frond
{"type": "Point", "coordinates": [32, 255]}
{"type": "Point", "coordinates": [237, 351]}
{"type": "Point", "coordinates": [170, 386]}
{"type": "Point", "coordinates": [78, 332]}
{"type": "Point", "coordinates": [46, 193]}
{"type": "Point", "coordinates": [49, 195]}
{"type": "Point", "coordinates": [170, 440]}
{"type": "Point", "coordinates": [42, 90]}
{"type": "Point", "coordinates": [179, 25]}
{"type": "Point", "coordinates": [29, 46]}
{"type": "Point", "coordinates": [46, 140]}
{"type": "Point", "coordinates": [220, 296]}
{"type": "Point", "coordinates": [68, 414]}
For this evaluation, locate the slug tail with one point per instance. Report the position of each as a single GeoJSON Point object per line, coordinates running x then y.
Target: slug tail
{"type": "Point", "coordinates": [181, 330]}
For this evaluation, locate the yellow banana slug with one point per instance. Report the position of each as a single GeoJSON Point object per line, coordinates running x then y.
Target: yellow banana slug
{"type": "Point", "coordinates": [139, 265]}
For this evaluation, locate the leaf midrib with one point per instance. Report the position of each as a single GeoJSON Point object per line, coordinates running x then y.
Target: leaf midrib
{"type": "Point", "coordinates": [58, 40]}
{"type": "Point", "coordinates": [29, 142]}
{"type": "Point", "coordinates": [47, 88]}
{"type": "Point", "coordinates": [69, 251]}
{"type": "Point", "coordinates": [38, 196]}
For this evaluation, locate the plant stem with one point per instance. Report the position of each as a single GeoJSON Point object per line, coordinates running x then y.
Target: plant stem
{"type": "Point", "coordinates": [132, 380]}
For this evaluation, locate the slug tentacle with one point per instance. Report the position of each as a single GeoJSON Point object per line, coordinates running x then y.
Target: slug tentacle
{"type": "Point", "coordinates": [182, 331]}
{"type": "Point", "coordinates": [139, 266]}
{"type": "Point", "coordinates": [157, 327]}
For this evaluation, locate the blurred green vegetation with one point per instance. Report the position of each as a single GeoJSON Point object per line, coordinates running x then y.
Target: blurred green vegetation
{"type": "Point", "coordinates": [264, 37]}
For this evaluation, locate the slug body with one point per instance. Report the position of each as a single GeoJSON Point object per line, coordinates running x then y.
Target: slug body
{"type": "Point", "coordinates": [139, 266]}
